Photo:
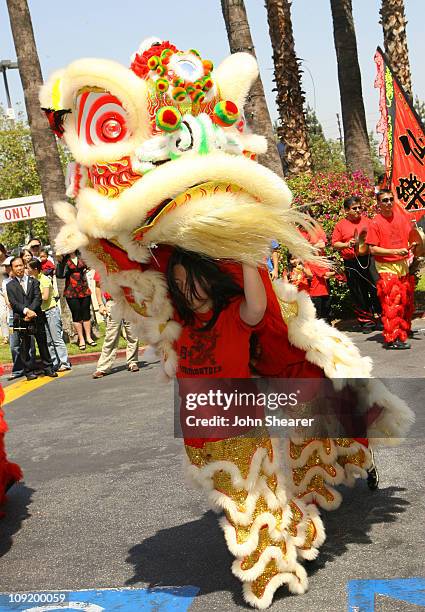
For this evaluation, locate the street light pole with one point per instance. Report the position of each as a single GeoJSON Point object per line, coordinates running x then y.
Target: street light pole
{"type": "Point", "coordinates": [4, 66]}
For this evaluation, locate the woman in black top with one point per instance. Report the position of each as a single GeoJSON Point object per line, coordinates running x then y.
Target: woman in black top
{"type": "Point", "coordinates": [77, 293]}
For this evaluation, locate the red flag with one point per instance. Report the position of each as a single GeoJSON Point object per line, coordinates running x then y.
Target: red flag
{"type": "Point", "coordinates": [403, 143]}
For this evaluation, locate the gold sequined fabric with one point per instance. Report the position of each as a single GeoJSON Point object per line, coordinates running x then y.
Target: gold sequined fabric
{"type": "Point", "coordinates": [259, 524]}
{"type": "Point", "coordinates": [318, 464]}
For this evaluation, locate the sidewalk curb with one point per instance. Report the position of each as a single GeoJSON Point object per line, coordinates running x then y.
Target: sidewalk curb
{"type": "Point", "coordinates": [80, 359]}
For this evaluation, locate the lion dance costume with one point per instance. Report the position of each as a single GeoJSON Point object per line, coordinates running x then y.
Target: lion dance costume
{"type": "Point", "coordinates": [164, 158]}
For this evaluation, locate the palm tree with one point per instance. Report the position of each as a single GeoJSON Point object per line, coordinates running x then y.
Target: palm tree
{"type": "Point", "coordinates": [256, 111]}
{"type": "Point", "coordinates": [46, 152]}
{"type": "Point", "coordinates": [290, 97]}
{"type": "Point", "coordinates": [393, 20]}
{"type": "Point", "coordinates": [356, 141]}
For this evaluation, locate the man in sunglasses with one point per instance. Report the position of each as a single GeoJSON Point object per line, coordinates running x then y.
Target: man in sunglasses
{"type": "Point", "coordinates": [388, 238]}
{"type": "Point", "coordinates": [359, 269]}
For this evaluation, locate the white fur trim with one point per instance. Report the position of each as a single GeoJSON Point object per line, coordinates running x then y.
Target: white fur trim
{"type": "Point", "coordinates": [296, 582]}
{"type": "Point", "coordinates": [235, 76]}
{"type": "Point", "coordinates": [69, 237]}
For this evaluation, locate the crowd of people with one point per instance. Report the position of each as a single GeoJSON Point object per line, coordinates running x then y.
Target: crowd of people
{"type": "Point", "coordinates": [30, 313]}
{"type": "Point", "coordinates": [375, 251]}
{"type": "Point", "coordinates": [377, 255]}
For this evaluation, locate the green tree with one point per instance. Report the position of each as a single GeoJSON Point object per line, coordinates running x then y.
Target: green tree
{"type": "Point", "coordinates": [326, 154]}
{"type": "Point", "coordinates": [19, 178]}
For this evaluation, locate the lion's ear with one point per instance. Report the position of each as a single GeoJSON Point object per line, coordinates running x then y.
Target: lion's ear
{"type": "Point", "coordinates": [51, 93]}
{"type": "Point", "coordinates": [235, 76]}
{"type": "Point", "coordinates": [51, 100]}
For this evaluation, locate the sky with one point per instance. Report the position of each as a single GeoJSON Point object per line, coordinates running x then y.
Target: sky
{"type": "Point", "coordinates": [65, 31]}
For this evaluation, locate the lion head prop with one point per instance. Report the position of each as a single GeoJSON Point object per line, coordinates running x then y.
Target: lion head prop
{"type": "Point", "coordinates": [163, 155]}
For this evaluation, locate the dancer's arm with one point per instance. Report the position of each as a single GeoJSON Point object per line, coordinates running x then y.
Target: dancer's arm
{"type": "Point", "coordinates": [254, 305]}
{"type": "Point", "coordinates": [377, 250]}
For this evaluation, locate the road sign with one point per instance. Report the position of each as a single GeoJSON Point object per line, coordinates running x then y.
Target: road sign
{"type": "Point", "coordinates": [361, 593]}
{"type": "Point", "coordinates": [167, 599]}
{"type": "Point", "coordinates": [22, 209]}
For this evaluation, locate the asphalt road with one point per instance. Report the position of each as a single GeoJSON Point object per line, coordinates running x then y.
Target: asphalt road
{"type": "Point", "coordinates": [105, 504]}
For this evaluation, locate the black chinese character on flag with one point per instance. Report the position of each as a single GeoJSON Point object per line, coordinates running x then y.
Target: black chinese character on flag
{"type": "Point", "coordinates": [414, 146]}
{"type": "Point", "coordinates": [411, 191]}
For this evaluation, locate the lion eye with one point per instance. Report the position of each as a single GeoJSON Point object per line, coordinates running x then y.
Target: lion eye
{"type": "Point", "coordinates": [101, 118]}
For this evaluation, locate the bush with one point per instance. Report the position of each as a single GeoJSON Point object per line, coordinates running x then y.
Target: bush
{"type": "Point", "coordinates": [325, 193]}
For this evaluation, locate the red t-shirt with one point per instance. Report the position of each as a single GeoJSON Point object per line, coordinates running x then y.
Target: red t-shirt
{"type": "Point", "coordinates": [48, 268]}
{"type": "Point", "coordinates": [318, 283]}
{"type": "Point", "coordinates": [344, 231]}
{"type": "Point", "coordinates": [315, 235]}
{"type": "Point", "coordinates": [221, 352]}
{"type": "Point", "coordinates": [390, 233]}
{"type": "Point", "coordinates": [98, 280]}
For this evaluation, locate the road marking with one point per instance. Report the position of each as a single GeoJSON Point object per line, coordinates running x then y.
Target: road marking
{"type": "Point", "coordinates": [361, 593]}
{"type": "Point", "coordinates": [160, 599]}
{"type": "Point", "coordinates": [22, 387]}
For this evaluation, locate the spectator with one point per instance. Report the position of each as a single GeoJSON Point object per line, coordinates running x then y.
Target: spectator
{"type": "Point", "coordinates": [34, 246]}
{"type": "Point", "coordinates": [18, 366]}
{"type": "Point", "coordinates": [26, 257]}
{"type": "Point", "coordinates": [47, 266]}
{"type": "Point", "coordinates": [77, 293]}
{"type": "Point", "coordinates": [318, 290]}
{"type": "Point", "coordinates": [53, 323]}
{"type": "Point", "coordinates": [4, 310]}
{"type": "Point", "coordinates": [24, 296]}
{"type": "Point", "coordinates": [299, 273]}
{"type": "Point", "coordinates": [273, 261]}
{"type": "Point", "coordinates": [112, 335]}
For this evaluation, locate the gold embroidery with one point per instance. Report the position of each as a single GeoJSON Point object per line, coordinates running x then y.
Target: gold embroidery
{"type": "Point", "coordinates": [111, 265]}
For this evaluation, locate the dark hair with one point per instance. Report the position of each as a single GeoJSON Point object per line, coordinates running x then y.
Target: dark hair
{"type": "Point", "coordinates": [22, 253]}
{"type": "Point", "coordinates": [14, 259]}
{"type": "Point", "coordinates": [219, 286]}
{"type": "Point", "coordinates": [35, 264]}
{"type": "Point", "coordinates": [383, 192]}
{"type": "Point", "coordinates": [44, 250]}
{"type": "Point", "coordinates": [348, 202]}
{"type": "Point", "coordinates": [3, 249]}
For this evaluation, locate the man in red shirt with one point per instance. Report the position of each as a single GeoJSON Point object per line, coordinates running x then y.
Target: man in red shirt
{"type": "Point", "coordinates": [388, 237]}
{"type": "Point", "coordinates": [359, 269]}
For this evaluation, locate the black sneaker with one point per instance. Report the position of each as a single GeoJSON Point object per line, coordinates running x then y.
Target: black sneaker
{"type": "Point", "coordinates": [372, 474]}
{"type": "Point", "coordinates": [31, 376]}
{"type": "Point", "coordinates": [402, 345]}
{"type": "Point", "coordinates": [372, 478]}
{"type": "Point", "coordinates": [397, 345]}
{"type": "Point", "coordinates": [50, 373]}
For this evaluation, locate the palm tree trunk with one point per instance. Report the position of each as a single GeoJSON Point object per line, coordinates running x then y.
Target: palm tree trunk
{"type": "Point", "coordinates": [290, 97]}
{"type": "Point", "coordinates": [256, 112]}
{"type": "Point", "coordinates": [356, 140]}
{"type": "Point", "coordinates": [46, 152]}
{"type": "Point", "coordinates": [45, 148]}
{"type": "Point", "coordinates": [393, 20]}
